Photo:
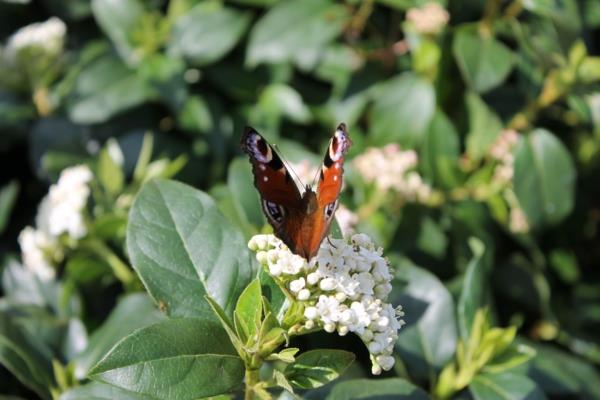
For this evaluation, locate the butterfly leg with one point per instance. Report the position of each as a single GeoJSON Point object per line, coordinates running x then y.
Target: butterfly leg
{"type": "Point", "coordinates": [331, 244]}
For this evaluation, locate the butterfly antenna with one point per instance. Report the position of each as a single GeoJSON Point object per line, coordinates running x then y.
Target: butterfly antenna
{"type": "Point", "coordinates": [289, 167]}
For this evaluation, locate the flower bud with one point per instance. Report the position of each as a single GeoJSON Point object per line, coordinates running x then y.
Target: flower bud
{"type": "Point", "coordinates": [297, 285]}
{"type": "Point", "coordinates": [303, 295]}
{"type": "Point", "coordinates": [311, 312]}
{"type": "Point", "coordinates": [329, 327]}
{"type": "Point", "coordinates": [312, 278]}
{"type": "Point", "coordinates": [327, 284]}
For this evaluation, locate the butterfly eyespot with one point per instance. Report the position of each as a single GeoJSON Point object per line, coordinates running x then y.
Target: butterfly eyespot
{"type": "Point", "coordinates": [330, 209]}
{"type": "Point", "coordinates": [274, 212]}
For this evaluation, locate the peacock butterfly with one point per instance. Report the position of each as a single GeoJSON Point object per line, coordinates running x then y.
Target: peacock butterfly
{"type": "Point", "coordinates": [301, 221]}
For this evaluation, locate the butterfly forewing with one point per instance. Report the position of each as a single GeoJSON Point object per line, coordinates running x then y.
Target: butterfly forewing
{"type": "Point", "coordinates": [301, 221]}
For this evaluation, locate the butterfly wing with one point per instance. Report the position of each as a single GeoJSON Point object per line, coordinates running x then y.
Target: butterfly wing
{"type": "Point", "coordinates": [280, 198]}
{"type": "Point", "coordinates": [330, 184]}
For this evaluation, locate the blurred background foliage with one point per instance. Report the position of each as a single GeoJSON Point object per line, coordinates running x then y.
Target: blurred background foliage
{"type": "Point", "coordinates": [476, 130]}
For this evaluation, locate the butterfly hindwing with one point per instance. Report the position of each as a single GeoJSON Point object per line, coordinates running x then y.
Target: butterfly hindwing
{"type": "Point", "coordinates": [278, 191]}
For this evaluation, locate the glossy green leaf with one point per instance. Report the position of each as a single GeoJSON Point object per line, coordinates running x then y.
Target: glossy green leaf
{"type": "Point", "coordinates": [403, 109]}
{"type": "Point", "coordinates": [484, 62]}
{"type": "Point", "coordinates": [484, 127]}
{"type": "Point", "coordinates": [428, 340]}
{"type": "Point", "coordinates": [207, 32]}
{"type": "Point", "coordinates": [132, 312]}
{"type": "Point", "coordinates": [472, 296]}
{"type": "Point", "coordinates": [296, 30]}
{"type": "Point", "coordinates": [390, 388]}
{"type": "Point", "coordinates": [183, 248]}
{"type": "Point", "coordinates": [504, 386]}
{"type": "Point", "coordinates": [100, 391]}
{"type": "Point", "coordinates": [180, 358]}
{"type": "Point", "coordinates": [118, 19]}
{"type": "Point", "coordinates": [8, 196]}
{"type": "Point", "coordinates": [315, 368]}
{"type": "Point", "coordinates": [440, 151]}
{"type": "Point", "coordinates": [240, 182]}
{"type": "Point", "coordinates": [105, 88]}
{"type": "Point", "coordinates": [248, 311]}
{"type": "Point", "coordinates": [544, 178]}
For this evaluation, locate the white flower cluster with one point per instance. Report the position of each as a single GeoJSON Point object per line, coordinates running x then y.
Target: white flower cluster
{"type": "Point", "coordinates": [47, 36]}
{"type": "Point", "coordinates": [60, 212]}
{"type": "Point", "coordinates": [431, 18]}
{"type": "Point", "coordinates": [390, 168]}
{"type": "Point", "coordinates": [502, 151]}
{"type": "Point", "coordinates": [343, 288]}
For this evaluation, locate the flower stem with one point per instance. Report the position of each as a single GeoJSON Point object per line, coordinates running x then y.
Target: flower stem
{"type": "Point", "coordinates": [251, 381]}
{"type": "Point", "coordinates": [119, 268]}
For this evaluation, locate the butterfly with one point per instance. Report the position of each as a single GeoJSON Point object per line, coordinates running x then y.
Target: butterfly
{"type": "Point", "coordinates": [301, 221]}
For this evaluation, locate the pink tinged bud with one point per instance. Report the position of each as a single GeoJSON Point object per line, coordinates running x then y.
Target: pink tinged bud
{"type": "Point", "coordinates": [376, 369]}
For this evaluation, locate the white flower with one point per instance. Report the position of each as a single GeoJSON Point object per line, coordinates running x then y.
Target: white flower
{"type": "Point", "coordinates": [349, 281]}
{"type": "Point", "coordinates": [33, 244]}
{"type": "Point", "coordinates": [60, 212]}
{"type": "Point", "coordinates": [390, 168]}
{"type": "Point", "coordinates": [48, 35]}
{"type": "Point", "coordinates": [430, 18]}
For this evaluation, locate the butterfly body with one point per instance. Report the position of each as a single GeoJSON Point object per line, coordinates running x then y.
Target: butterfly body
{"type": "Point", "coordinates": [301, 221]}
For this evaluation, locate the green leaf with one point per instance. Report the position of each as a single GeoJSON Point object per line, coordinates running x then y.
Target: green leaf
{"type": "Point", "coordinates": [484, 62]}
{"type": "Point", "coordinates": [315, 368]}
{"type": "Point", "coordinates": [403, 109]}
{"type": "Point", "coordinates": [544, 178]}
{"type": "Point", "coordinates": [240, 182]}
{"type": "Point", "coordinates": [561, 374]}
{"type": "Point", "coordinates": [428, 340]}
{"type": "Point", "coordinates": [104, 88]}
{"type": "Point", "coordinates": [484, 127]}
{"type": "Point", "coordinates": [440, 151]}
{"type": "Point", "coordinates": [132, 312]}
{"type": "Point", "coordinates": [392, 388]}
{"type": "Point", "coordinates": [278, 100]}
{"type": "Point", "coordinates": [100, 391]}
{"type": "Point", "coordinates": [179, 358]}
{"type": "Point", "coordinates": [207, 32]}
{"type": "Point", "coordinates": [118, 19]}
{"type": "Point", "coordinates": [25, 356]}
{"type": "Point", "coordinates": [297, 30]}
{"type": "Point", "coordinates": [472, 296]}
{"type": "Point", "coordinates": [8, 196]}
{"type": "Point", "coordinates": [504, 386]}
{"type": "Point", "coordinates": [110, 173]}
{"type": "Point", "coordinates": [183, 248]}
{"type": "Point", "coordinates": [248, 312]}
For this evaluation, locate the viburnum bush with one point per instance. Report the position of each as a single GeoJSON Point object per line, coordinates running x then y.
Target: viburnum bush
{"type": "Point", "coordinates": [136, 259]}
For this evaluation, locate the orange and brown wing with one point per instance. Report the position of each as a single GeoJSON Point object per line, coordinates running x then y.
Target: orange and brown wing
{"type": "Point", "coordinates": [328, 192]}
{"type": "Point", "coordinates": [280, 198]}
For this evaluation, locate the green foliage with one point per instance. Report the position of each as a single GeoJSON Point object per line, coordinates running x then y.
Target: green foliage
{"type": "Point", "coordinates": [475, 161]}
